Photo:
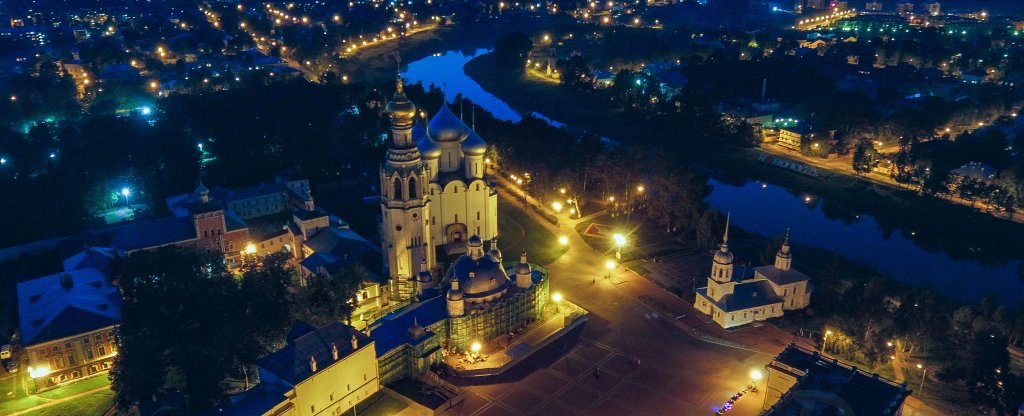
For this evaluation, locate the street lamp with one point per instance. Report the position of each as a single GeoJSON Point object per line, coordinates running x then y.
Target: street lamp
{"type": "Point", "coordinates": [620, 240]}
{"type": "Point", "coordinates": [126, 193]}
{"type": "Point", "coordinates": [563, 241]}
{"type": "Point", "coordinates": [557, 206]}
{"type": "Point", "coordinates": [250, 248]}
{"type": "Point", "coordinates": [475, 347]}
{"type": "Point", "coordinates": [824, 340]}
{"type": "Point", "coordinates": [557, 297]}
{"type": "Point", "coordinates": [610, 265]}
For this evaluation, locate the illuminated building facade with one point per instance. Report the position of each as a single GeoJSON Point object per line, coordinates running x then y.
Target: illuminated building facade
{"type": "Point", "coordinates": [67, 320]}
{"type": "Point", "coordinates": [737, 300]}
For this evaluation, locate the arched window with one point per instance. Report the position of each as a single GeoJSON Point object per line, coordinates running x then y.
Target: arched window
{"type": "Point", "coordinates": [412, 187]}
{"type": "Point", "coordinates": [398, 189]}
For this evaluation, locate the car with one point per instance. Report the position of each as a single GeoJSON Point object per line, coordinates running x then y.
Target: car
{"type": "Point", "coordinates": [11, 366]}
{"type": "Point", "coordinates": [5, 351]}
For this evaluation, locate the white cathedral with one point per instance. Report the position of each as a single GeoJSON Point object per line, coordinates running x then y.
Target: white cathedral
{"type": "Point", "coordinates": [433, 192]}
{"type": "Point", "coordinates": [735, 300]}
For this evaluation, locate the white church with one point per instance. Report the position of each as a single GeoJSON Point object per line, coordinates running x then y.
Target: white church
{"type": "Point", "coordinates": [433, 192]}
{"type": "Point", "coordinates": [734, 300]}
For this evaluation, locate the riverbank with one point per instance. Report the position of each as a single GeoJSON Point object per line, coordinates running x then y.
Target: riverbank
{"type": "Point", "coordinates": [376, 63]}
{"type": "Point", "coordinates": [959, 232]}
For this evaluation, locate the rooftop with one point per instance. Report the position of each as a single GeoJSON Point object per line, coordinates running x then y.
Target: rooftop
{"type": "Point", "coordinates": [292, 363]}
{"type": "Point", "coordinates": [745, 295]}
{"type": "Point", "coordinates": [780, 277]}
{"type": "Point", "coordinates": [153, 233]}
{"type": "Point", "coordinates": [392, 330]}
{"type": "Point", "coordinates": [867, 394]}
{"type": "Point", "coordinates": [66, 304]}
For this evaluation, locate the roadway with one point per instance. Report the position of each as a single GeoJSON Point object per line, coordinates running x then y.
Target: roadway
{"type": "Point", "coordinates": [633, 356]}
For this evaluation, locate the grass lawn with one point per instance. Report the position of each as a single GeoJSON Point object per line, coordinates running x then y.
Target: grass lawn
{"type": "Point", "coordinates": [77, 387]}
{"type": "Point", "coordinates": [27, 402]}
{"type": "Point", "coordinates": [93, 404]}
{"type": "Point", "coordinates": [517, 230]}
{"type": "Point", "coordinates": [19, 404]}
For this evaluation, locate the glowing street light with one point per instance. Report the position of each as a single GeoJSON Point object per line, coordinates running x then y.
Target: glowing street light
{"type": "Point", "coordinates": [126, 192]}
{"type": "Point", "coordinates": [563, 241]}
{"type": "Point", "coordinates": [557, 297]}
{"type": "Point", "coordinates": [640, 189]}
{"type": "Point", "coordinates": [557, 206]}
{"type": "Point", "coordinates": [250, 248]}
{"type": "Point", "coordinates": [824, 340]}
{"type": "Point", "coordinates": [475, 347]}
{"type": "Point", "coordinates": [756, 375]}
{"type": "Point", "coordinates": [619, 240]}
{"type": "Point", "coordinates": [562, 191]}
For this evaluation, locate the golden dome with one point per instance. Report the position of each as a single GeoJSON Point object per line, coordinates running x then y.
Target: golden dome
{"type": "Point", "coordinates": [400, 106]}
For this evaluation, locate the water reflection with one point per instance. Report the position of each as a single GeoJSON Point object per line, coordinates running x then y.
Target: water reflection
{"type": "Point", "coordinates": [444, 70]}
{"type": "Point", "coordinates": [767, 210]}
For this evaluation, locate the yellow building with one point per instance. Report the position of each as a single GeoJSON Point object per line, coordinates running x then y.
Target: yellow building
{"type": "Point", "coordinates": [735, 300]}
{"type": "Point", "coordinates": [67, 321]}
{"type": "Point", "coordinates": [323, 371]}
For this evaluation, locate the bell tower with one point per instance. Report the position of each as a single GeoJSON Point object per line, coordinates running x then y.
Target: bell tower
{"type": "Point", "coordinates": [720, 283]}
{"type": "Point", "coordinates": [784, 259]}
{"type": "Point", "coordinates": [405, 207]}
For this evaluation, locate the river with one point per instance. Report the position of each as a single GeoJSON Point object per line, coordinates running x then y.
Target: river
{"type": "Point", "coordinates": [768, 210]}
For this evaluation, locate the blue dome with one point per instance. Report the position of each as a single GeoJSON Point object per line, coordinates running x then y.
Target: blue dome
{"type": "Point", "coordinates": [474, 145]}
{"type": "Point", "coordinates": [488, 278]}
{"type": "Point", "coordinates": [428, 148]}
{"type": "Point", "coordinates": [447, 127]}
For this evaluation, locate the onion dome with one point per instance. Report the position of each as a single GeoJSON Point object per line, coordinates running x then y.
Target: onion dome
{"type": "Point", "coordinates": [447, 127]}
{"type": "Point", "coordinates": [474, 145]}
{"type": "Point", "coordinates": [523, 267]}
{"type": "Point", "coordinates": [455, 293]}
{"type": "Point", "coordinates": [427, 146]}
{"type": "Point", "coordinates": [400, 106]}
{"type": "Point", "coordinates": [723, 256]}
{"type": "Point", "coordinates": [494, 252]}
{"type": "Point", "coordinates": [475, 241]}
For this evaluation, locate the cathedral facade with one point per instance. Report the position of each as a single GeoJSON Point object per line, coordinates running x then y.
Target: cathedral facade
{"type": "Point", "coordinates": [434, 195]}
{"type": "Point", "coordinates": [433, 191]}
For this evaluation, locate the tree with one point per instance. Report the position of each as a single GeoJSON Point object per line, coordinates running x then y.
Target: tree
{"type": "Point", "coordinates": [328, 298]}
{"type": "Point", "coordinates": [864, 156]}
{"type": "Point", "coordinates": [188, 322]}
{"type": "Point", "coordinates": [576, 73]}
{"type": "Point", "coordinates": [512, 49]}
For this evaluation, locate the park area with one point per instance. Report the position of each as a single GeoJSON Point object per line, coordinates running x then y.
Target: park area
{"type": "Point", "coordinates": [91, 396]}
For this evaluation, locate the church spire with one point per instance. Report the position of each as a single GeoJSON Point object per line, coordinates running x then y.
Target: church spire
{"type": "Point", "coordinates": [725, 238]}
{"type": "Point", "coordinates": [399, 85]}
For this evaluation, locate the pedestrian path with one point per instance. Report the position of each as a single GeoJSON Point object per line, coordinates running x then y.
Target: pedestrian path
{"type": "Point", "coordinates": [59, 401]}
